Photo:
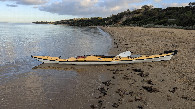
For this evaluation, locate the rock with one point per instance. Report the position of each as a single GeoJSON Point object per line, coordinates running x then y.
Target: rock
{"type": "Point", "coordinates": [140, 107]}
{"type": "Point", "coordinates": [92, 106]}
{"type": "Point", "coordinates": [130, 100]}
{"type": "Point", "coordinates": [138, 70]}
{"type": "Point", "coordinates": [150, 82]}
{"type": "Point", "coordinates": [150, 89]}
{"type": "Point", "coordinates": [173, 90]}
{"type": "Point", "coordinates": [115, 105]}
{"type": "Point", "coordinates": [138, 98]}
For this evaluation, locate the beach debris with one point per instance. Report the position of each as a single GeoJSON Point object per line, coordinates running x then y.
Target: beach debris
{"type": "Point", "coordinates": [115, 105]}
{"type": "Point", "coordinates": [173, 90]}
{"type": "Point", "coordinates": [98, 97]}
{"type": "Point", "coordinates": [100, 102]}
{"type": "Point", "coordinates": [169, 98]}
{"type": "Point", "coordinates": [140, 107]}
{"type": "Point", "coordinates": [184, 97]}
{"type": "Point", "coordinates": [130, 93]}
{"type": "Point", "coordinates": [121, 92]}
{"type": "Point", "coordinates": [138, 98]}
{"type": "Point", "coordinates": [150, 65]}
{"type": "Point", "coordinates": [116, 72]}
{"type": "Point", "coordinates": [150, 89]}
{"type": "Point", "coordinates": [92, 106]}
{"type": "Point", "coordinates": [120, 100]}
{"type": "Point", "coordinates": [138, 70]}
{"type": "Point", "coordinates": [187, 98]}
{"type": "Point", "coordinates": [130, 100]}
{"type": "Point", "coordinates": [107, 83]}
{"type": "Point", "coordinates": [142, 74]}
{"type": "Point", "coordinates": [150, 82]}
{"type": "Point", "coordinates": [102, 91]}
{"type": "Point", "coordinates": [162, 80]}
{"type": "Point", "coordinates": [125, 77]}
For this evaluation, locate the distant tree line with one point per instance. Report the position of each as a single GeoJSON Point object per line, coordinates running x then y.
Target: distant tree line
{"type": "Point", "coordinates": [147, 16]}
{"type": "Point", "coordinates": [43, 22]}
{"type": "Point", "coordinates": [178, 16]}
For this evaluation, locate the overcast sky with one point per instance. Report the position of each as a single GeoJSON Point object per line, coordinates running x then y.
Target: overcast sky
{"type": "Point", "coordinates": [51, 10]}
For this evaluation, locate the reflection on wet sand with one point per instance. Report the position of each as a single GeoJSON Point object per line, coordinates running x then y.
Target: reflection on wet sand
{"type": "Point", "coordinates": [77, 68]}
{"type": "Point", "coordinates": [33, 88]}
{"type": "Point", "coordinates": [54, 86]}
{"type": "Point", "coordinates": [61, 67]}
{"type": "Point", "coordinates": [28, 91]}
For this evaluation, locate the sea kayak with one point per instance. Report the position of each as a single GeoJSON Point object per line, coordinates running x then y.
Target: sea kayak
{"type": "Point", "coordinates": [122, 58]}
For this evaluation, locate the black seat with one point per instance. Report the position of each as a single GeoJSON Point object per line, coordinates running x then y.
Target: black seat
{"type": "Point", "coordinates": [135, 56]}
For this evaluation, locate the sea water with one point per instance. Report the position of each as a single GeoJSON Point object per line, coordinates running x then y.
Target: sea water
{"type": "Point", "coordinates": [26, 85]}
{"type": "Point", "coordinates": [19, 41]}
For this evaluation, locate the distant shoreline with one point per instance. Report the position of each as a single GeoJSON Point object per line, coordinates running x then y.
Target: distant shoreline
{"type": "Point", "coordinates": [147, 16]}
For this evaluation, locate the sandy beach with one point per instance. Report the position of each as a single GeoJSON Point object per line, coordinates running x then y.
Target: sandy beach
{"type": "Point", "coordinates": [162, 85]}
{"type": "Point", "coordinates": [155, 85]}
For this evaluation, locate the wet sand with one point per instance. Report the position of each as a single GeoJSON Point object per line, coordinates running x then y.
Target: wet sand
{"type": "Point", "coordinates": [157, 85]}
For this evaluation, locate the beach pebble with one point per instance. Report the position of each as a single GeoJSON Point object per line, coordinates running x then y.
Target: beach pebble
{"type": "Point", "coordinates": [115, 105]}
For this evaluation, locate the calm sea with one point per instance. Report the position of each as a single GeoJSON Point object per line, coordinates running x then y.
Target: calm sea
{"type": "Point", "coordinates": [23, 85]}
{"type": "Point", "coordinates": [19, 41]}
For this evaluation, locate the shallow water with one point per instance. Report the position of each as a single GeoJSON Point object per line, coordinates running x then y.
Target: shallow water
{"type": "Point", "coordinates": [23, 85]}
{"type": "Point", "coordinates": [19, 41]}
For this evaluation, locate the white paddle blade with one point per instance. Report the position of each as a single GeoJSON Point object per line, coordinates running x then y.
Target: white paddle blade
{"type": "Point", "coordinates": [125, 54]}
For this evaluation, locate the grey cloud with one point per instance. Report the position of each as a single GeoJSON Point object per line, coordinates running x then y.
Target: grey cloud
{"type": "Point", "coordinates": [32, 2]}
{"type": "Point", "coordinates": [35, 7]}
{"type": "Point", "coordinates": [11, 5]}
{"type": "Point", "coordinates": [174, 4]}
{"type": "Point", "coordinates": [29, 2]}
{"type": "Point", "coordinates": [70, 8]}
{"type": "Point", "coordinates": [75, 7]}
{"type": "Point", "coordinates": [157, 0]}
{"type": "Point", "coordinates": [111, 3]}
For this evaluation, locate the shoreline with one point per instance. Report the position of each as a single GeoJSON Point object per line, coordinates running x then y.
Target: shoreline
{"type": "Point", "coordinates": [153, 85]}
